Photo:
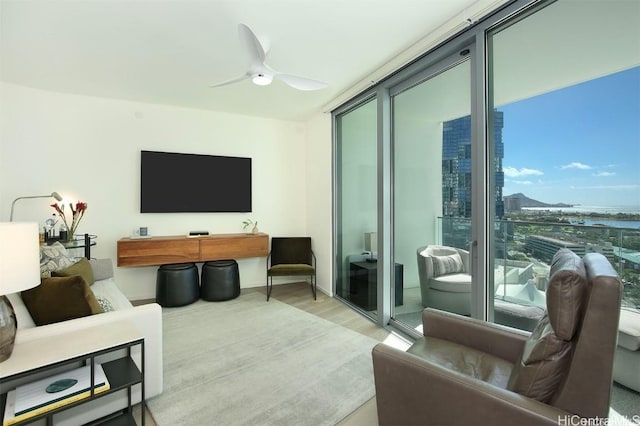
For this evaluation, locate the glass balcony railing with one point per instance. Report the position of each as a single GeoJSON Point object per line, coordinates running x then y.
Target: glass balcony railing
{"type": "Point", "coordinates": [523, 251]}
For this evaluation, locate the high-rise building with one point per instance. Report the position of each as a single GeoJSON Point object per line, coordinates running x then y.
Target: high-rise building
{"type": "Point", "coordinates": [512, 204]}
{"type": "Point", "coordinates": [456, 166]}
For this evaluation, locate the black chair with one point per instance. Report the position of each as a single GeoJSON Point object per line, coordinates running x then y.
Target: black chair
{"type": "Point", "coordinates": [291, 256]}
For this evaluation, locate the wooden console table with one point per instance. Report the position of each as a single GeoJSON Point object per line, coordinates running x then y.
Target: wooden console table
{"type": "Point", "coordinates": [182, 249]}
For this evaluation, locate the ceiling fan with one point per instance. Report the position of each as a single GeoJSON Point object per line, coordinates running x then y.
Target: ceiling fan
{"type": "Point", "coordinates": [261, 73]}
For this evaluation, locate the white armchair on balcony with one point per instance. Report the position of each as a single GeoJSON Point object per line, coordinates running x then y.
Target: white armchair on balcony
{"type": "Point", "coordinates": [626, 368]}
{"type": "Point", "coordinates": [445, 282]}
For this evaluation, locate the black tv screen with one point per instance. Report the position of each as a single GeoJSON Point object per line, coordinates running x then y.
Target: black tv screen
{"type": "Point", "coordinates": [188, 183]}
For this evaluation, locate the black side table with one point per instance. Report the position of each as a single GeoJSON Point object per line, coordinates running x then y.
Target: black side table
{"type": "Point", "coordinates": [363, 284]}
{"type": "Point", "coordinates": [85, 242]}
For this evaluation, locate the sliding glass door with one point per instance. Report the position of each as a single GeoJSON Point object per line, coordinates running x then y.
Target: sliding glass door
{"type": "Point", "coordinates": [478, 161]}
{"type": "Point", "coordinates": [432, 182]}
{"type": "Point", "coordinates": [356, 198]}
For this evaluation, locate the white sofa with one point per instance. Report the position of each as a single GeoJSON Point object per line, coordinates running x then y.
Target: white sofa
{"type": "Point", "coordinates": [626, 367]}
{"type": "Point", "coordinates": [147, 318]}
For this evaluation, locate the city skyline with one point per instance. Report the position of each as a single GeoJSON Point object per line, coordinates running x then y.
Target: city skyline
{"type": "Point", "coordinates": [579, 145]}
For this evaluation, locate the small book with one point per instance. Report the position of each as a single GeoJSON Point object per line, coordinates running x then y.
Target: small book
{"type": "Point", "coordinates": [35, 398]}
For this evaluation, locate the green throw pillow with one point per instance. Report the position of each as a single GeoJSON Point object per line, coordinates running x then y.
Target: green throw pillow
{"type": "Point", "coordinates": [59, 299]}
{"type": "Point", "coordinates": [82, 268]}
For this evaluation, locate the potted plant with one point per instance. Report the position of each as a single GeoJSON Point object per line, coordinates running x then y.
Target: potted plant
{"type": "Point", "coordinates": [248, 222]}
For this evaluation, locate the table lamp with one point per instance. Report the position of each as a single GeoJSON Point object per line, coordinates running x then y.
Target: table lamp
{"type": "Point", "coordinates": [371, 244]}
{"type": "Point", "coordinates": [19, 270]}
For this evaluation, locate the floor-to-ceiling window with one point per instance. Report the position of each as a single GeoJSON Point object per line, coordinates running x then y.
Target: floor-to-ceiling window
{"type": "Point", "coordinates": [544, 155]}
{"type": "Point", "coordinates": [565, 82]}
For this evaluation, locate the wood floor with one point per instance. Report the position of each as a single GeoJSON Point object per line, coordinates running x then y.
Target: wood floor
{"type": "Point", "coordinates": [299, 296]}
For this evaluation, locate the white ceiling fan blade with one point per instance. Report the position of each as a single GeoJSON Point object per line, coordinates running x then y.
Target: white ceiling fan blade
{"type": "Point", "coordinates": [255, 48]}
{"type": "Point", "coordinates": [234, 80]}
{"type": "Point", "coordinates": [260, 73]}
{"type": "Point", "coordinates": [301, 83]}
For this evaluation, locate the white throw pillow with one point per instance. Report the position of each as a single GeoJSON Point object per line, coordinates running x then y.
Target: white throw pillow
{"type": "Point", "coordinates": [54, 257]}
{"type": "Point", "coordinates": [444, 265]}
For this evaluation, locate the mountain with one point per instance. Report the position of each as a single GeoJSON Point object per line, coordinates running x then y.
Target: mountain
{"type": "Point", "coordinates": [524, 201]}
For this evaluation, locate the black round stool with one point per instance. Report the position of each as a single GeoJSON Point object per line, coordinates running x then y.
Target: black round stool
{"type": "Point", "coordinates": [220, 280]}
{"type": "Point", "coordinates": [177, 284]}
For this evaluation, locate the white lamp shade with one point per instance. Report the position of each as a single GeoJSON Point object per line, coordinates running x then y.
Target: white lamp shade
{"type": "Point", "coordinates": [371, 241]}
{"type": "Point", "coordinates": [19, 257]}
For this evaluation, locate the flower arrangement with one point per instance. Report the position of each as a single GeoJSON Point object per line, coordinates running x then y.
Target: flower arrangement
{"type": "Point", "coordinates": [77, 213]}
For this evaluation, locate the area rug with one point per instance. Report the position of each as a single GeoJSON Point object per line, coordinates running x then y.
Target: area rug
{"type": "Point", "coordinates": [252, 362]}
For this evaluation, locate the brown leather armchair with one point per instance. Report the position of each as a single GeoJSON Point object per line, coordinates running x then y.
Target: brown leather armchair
{"type": "Point", "coordinates": [468, 372]}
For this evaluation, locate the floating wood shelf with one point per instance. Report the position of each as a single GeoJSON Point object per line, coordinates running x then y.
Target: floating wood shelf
{"type": "Point", "coordinates": [182, 249]}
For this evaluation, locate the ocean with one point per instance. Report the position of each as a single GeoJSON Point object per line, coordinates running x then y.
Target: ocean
{"type": "Point", "coordinates": [633, 224]}
{"type": "Point", "coordinates": [612, 210]}
{"type": "Point", "coordinates": [589, 209]}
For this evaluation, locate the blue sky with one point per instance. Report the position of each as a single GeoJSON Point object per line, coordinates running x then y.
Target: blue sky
{"type": "Point", "coordinates": [578, 145]}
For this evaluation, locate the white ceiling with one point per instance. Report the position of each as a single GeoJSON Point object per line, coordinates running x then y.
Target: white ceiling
{"type": "Point", "coordinates": [169, 52]}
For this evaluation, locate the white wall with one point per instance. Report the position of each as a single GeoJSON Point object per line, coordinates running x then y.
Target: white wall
{"type": "Point", "coordinates": [88, 149]}
{"type": "Point", "coordinates": [319, 200]}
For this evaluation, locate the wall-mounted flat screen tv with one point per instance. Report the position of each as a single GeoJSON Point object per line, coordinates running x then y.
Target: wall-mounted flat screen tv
{"type": "Point", "coordinates": [171, 182]}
